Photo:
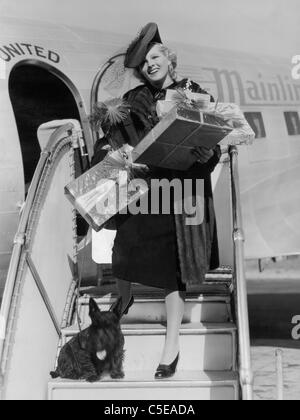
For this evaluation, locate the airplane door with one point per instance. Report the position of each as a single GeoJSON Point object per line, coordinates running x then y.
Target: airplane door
{"type": "Point", "coordinates": [37, 96]}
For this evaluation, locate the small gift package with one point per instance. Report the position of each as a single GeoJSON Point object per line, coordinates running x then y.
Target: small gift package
{"type": "Point", "coordinates": [175, 97]}
{"type": "Point", "coordinates": [107, 188]}
{"type": "Point", "coordinates": [184, 124]}
{"type": "Point", "coordinates": [242, 133]}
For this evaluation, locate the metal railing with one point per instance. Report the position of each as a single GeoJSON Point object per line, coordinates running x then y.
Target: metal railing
{"type": "Point", "coordinates": [21, 236]}
{"type": "Point", "coordinates": [245, 370]}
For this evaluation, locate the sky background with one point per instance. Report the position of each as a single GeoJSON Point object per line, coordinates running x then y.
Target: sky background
{"type": "Point", "coordinates": [270, 27]}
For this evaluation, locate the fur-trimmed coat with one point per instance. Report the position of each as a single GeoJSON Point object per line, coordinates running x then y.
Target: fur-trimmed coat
{"type": "Point", "coordinates": [162, 250]}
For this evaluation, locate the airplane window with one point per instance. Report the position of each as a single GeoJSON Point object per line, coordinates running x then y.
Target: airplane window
{"type": "Point", "coordinates": [256, 122]}
{"type": "Point", "coordinates": [293, 123]}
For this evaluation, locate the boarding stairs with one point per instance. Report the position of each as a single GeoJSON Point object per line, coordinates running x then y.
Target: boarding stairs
{"type": "Point", "coordinates": [208, 364]}
{"type": "Point", "coordinates": [38, 312]}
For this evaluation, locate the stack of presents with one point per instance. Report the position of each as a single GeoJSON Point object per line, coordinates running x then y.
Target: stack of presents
{"type": "Point", "coordinates": [186, 122]}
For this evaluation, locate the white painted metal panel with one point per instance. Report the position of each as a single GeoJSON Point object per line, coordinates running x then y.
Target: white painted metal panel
{"type": "Point", "coordinates": [35, 345]}
{"type": "Point", "coordinates": [55, 235]}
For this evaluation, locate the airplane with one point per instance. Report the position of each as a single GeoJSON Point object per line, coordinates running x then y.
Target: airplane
{"type": "Point", "coordinates": [263, 87]}
{"type": "Point", "coordinates": [51, 72]}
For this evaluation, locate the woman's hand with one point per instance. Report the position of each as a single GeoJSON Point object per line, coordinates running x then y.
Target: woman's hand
{"type": "Point", "coordinates": [203, 154]}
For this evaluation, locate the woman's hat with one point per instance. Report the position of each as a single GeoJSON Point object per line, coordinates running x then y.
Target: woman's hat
{"type": "Point", "coordinates": [138, 49]}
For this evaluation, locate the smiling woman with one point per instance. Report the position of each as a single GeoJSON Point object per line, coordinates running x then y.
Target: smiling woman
{"type": "Point", "coordinates": [159, 66]}
{"type": "Point", "coordinates": [160, 250]}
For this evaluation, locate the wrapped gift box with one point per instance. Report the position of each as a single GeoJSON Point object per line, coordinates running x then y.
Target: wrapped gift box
{"type": "Point", "coordinates": [174, 97]}
{"type": "Point", "coordinates": [242, 133]}
{"type": "Point", "coordinates": [102, 192]}
{"type": "Point", "coordinates": [171, 142]}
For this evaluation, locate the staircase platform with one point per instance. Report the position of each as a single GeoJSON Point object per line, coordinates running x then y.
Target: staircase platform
{"type": "Point", "coordinates": [203, 346]}
{"type": "Point", "coordinates": [184, 385]}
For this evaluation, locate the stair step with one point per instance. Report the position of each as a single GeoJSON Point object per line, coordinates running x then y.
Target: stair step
{"type": "Point", "coordinates": [218, 276]}
{"type": "Point", "coordinates": [198, 308]}
{"type": "Point", "coordinates": [183, 386]}
{"type": "Point", "coordinates": [203, 346]}
{"type": "Point", "coordinates": [212, 287]}
{"type": "Point", "coordinates": [160, 329]}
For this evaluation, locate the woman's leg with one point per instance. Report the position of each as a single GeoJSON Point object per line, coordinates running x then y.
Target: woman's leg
{"type": "Point", "coordinates": [124, 289]}
{"type": "Point", "coordinates": [175, 301]}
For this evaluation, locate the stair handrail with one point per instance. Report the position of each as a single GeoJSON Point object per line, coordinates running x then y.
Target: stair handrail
{"type": "Point", "coordinates": [20, 238]}
{"type": "Point", "coordinates": [245, 370]}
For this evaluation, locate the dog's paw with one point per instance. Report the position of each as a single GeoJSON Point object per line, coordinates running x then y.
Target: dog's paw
{"type": "Point", "coordinates": [117, 375]}
{"type": "Point", "coordinates": [54, 375]}
{"type": "Point", "coordinates": [93, 378]}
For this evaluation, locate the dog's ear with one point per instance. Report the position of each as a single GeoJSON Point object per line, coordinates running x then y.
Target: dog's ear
{"type": "Point", "coordinates": [116, 307]}
{"type": "Point", "coordinates": [94, 310]}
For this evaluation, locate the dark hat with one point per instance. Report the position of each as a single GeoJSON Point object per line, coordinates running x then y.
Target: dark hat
{"type": "Point", "coordinates": [138, 49]}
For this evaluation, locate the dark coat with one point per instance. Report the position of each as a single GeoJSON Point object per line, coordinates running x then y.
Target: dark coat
{"type": "Point", "coordinates": [161, 250]}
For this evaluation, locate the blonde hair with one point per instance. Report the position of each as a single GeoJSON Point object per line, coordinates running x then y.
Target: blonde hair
{"type": "Point", "coordinates": [171, 56]}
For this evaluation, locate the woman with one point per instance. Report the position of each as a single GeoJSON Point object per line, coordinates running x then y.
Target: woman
{"type": "Point", "coordinates": [158, 250]}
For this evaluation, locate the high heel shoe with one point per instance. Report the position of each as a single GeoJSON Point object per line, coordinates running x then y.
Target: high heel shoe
{"type": "Point", "coordinates": [167, 371]}
{"type": "Point", "coordinates": [125, 311]}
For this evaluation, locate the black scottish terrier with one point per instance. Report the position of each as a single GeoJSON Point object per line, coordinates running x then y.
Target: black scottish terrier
{"type": "Point", "coordinates": [96, 350]}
